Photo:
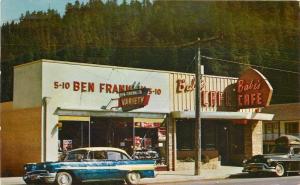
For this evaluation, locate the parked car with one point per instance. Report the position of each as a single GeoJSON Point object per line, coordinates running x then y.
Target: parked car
{"type": "Point", "coordinates": [284, 158]}
{"type": "Point", "coordinates": [90, 164]}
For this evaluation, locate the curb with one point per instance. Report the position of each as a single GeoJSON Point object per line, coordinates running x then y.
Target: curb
{"type": "Point", "coordinates": [189, 179]}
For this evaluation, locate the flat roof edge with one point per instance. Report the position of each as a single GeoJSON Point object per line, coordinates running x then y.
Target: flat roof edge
{"type": "Point", "coordinates": [118, 67]}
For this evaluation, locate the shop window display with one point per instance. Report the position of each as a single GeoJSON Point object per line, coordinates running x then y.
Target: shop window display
{"type": "Point", "coordinates": [209, 135]}
{"type": "Point", "coordinates": [73, 134]}
{"type": "Point", "coordinates": [185, 134]}
{"type": "Point", "coordinates": [149, 138]}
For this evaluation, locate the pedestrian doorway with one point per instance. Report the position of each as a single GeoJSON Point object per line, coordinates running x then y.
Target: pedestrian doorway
{"type": "Point", "coordinates": [223, 141]}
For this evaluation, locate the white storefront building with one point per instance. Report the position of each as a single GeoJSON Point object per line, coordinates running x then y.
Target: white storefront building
{"type": "Point", "coordinates": [58, 102]}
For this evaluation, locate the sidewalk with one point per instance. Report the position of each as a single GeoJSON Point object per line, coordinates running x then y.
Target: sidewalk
{"type": "Point", "coordinates": [164, 176]}
{"type": "Point", "coordinates": [11, 181]}
{"type": "Point", "coordinates": [188, 175]}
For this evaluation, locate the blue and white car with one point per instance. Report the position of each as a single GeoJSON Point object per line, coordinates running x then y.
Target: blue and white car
{"type": "Point", "coordinates": [90, 164]}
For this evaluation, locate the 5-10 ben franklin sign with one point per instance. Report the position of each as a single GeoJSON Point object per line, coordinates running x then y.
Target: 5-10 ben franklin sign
{"type": "Point", "coordinates": [253, 90]}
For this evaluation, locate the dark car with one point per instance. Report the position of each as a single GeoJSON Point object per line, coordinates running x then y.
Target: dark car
{"type": "Point", "coordinates": [91, 164]}
{"type": "Point", "coordinates": [284, 158]}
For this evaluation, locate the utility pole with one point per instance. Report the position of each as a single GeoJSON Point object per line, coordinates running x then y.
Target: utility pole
{"type": "Point", "coordinates": [198, 112]}
{"type": "Point", "coordinates": [198, 104]}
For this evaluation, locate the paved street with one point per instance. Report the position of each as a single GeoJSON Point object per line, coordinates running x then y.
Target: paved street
{"type": "Point", "coordinates": [292, 180]}
{"type": "Point", "coordinates": [233, 180]}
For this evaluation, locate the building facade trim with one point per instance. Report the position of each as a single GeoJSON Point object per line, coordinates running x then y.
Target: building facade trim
{"type": "Point", "coordinates": [98, 113]}
{"type": "Point", "coordinates": [224, 115]}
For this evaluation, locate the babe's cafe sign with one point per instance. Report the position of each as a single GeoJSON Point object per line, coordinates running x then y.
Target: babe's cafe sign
{"type": "Point", "coordinates": [252, 91]}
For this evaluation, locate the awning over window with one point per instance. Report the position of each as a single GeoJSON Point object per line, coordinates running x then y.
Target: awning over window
{"type": "Point", "coordinates": [99, 113]}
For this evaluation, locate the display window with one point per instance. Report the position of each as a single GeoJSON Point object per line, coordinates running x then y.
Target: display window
{"type": "Point", "coordinates": [73, 134]}
{"type": "Point", "coordinates": [149, 140]}
{"type": "Point", "coordinates": [185, 134]}
{"type": "Point", "coordinates": [292, 128]}
{"type": "Point", "coordinates": [220, 136]}
{"type": "Point", "coordinates": [142, 140]}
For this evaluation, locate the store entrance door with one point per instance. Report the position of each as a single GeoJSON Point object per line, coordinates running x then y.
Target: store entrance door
{"type": "Point", "coordinates": [223, 141]}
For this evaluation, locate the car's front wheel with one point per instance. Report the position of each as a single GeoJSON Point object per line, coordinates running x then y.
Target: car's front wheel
{"type": "Point", "coordinates": [64, 178]}
{"type": "Point", "coordinates": [279, 170]}
{"type": "Point", "coordinates": [133, 178]}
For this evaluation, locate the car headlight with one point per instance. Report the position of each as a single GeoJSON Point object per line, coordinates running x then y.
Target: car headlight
{"type": "Point", "coordinates": [45, 166]}
{"type": "Point", "coordinates": [269, 161]}
{"type": "Point", "coordinates": [25, 168]}
{"type": "Point", "coordinates": [244, 161]}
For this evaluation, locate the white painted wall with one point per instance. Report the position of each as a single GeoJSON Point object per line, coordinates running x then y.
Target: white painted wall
{"type": "Point", "coordinates": [27, 85]}
{"type": "Point", "coordinates": [68, 98]}
{"type": "Point", "coordinates": [68, 73]}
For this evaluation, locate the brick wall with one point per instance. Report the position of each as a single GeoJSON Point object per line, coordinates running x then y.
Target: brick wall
{"type": "Point", "coordinates": [253, 139]}
{"type": "Point", "coordinates": [20, 138]}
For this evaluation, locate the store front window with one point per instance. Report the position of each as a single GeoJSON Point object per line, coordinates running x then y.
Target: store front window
{"type": "Point", "coordinates": [209, 138]}
{"type": "Point", "coordinates": [142, 140]}
{"type": "Point", "coordinates": [292, 128]}
{"type": "Point", "coordinates": [73, 134]}
{"type": "Point", "coordinates": [185, 134]}
{"type": "Point", "coordinates": [219, 139]}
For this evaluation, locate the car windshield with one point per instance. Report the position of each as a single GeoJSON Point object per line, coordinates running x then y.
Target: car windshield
{"type": "Point", "coordinates": [280, 150]}
{"type": "Point", "coordinates": [77, 155]}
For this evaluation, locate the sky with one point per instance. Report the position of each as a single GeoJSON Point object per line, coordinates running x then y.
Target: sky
{"type": "Point", "coordinates": [11, 10]}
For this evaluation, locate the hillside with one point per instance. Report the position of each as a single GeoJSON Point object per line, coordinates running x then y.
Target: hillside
{"type": "Point", "coordinates": [150, 35]}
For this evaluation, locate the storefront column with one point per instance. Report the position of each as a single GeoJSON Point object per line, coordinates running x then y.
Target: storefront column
{"type": "Point", "coordinates": [171, 143]}
{"type": "Point", "coordinates": [253, 139]}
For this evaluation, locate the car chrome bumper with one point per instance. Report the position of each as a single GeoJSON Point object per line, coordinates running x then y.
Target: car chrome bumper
{"type": "Point", "coordinates": [258, 167]}
{"type": "Point", "coordinates": [40, 177]}
{"type": "Point", "coordinates": [155, 173]}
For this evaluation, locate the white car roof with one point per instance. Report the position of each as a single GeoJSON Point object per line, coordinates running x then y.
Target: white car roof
{"type": "Point", "coordinates": [100, 149]}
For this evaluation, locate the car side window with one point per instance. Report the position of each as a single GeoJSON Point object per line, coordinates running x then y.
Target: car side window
{"type": "Point", "coordinates": [297, 151]}
{"type": "Point", "coordinates": [98, 155]}
{"type": "Point", "coordinates": [111, 155]}
{"type": "Point", "coordinates": [76, 156]}
{"type": "Point", "coordinates": [125, 157]}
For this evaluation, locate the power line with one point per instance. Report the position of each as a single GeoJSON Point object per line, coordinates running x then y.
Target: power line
{"type": "Point", "coordinates": [280, 51]}
{"type": "Point", "coordinates": [278, 64]}
{"type": "Point", "coordinates": [129, 45]}
{"type": "Point", "coordinates": [286, 95]}
{"type": "Point", "coordinates": [263, 67]}
{"type": "Point", "coordinates": [279, 89]}
{"type": "Point", "coordinates": [286, 60]}
{"type": "Point", "coordinates": [192, 62]}
{"type": "Point", "coordinates": [264, 48]}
